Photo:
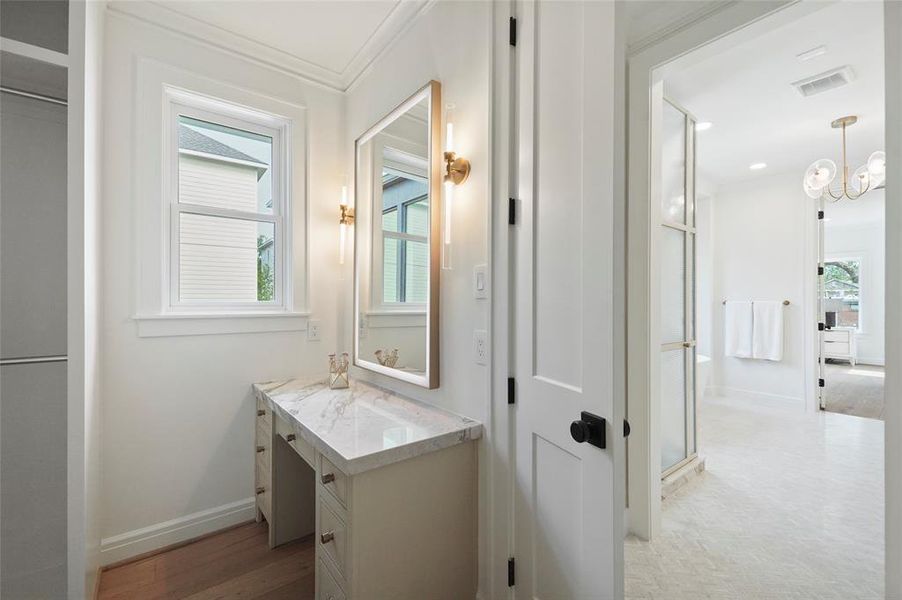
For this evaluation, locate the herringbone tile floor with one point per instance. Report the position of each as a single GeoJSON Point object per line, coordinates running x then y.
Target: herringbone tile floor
{"type": "Point", "coordinates": [790, 507]}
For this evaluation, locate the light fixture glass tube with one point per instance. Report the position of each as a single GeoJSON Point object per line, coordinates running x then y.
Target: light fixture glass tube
{"type": "Point", "coordinates": [448, 203]}
{"type": "Point", "coordinates": [342, 227]}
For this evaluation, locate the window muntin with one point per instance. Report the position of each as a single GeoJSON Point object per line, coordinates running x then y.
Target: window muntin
{"type": "Point", "coordinates": [227, 213]}
{"type": "Point", "coordinates": [405, 239]}
{"type": "Point", "coordinates": [842, 289]}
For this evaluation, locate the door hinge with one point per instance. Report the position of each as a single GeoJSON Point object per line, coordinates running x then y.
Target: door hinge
{"type": "Point", "coordinates": [821, 383]}
{"type": "Point", "coordinates": [820, 270]}
{"type": "Point", "coordinates": [513, 32]}
{"type": "Point", "coordinates": [821, 327]}
{"type": "Point", "coordinates": [511, 390]}
{"type": "Point", "coordinates": [510, 572]}
{"type": "Point", "coordinates": [511, 211]}
{"type": "Point", "coordinates": [820, 215]}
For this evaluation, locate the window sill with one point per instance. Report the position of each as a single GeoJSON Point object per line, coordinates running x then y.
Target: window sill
{"type": "Point", "coordinates": [180, 324]}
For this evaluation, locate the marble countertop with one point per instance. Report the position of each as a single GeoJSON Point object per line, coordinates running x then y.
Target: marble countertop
{"type": "Point", "coordinates": [364, 427]}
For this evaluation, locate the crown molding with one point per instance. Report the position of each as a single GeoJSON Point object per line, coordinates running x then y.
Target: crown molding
{"type": "Point", "coordinates": [674, 26]}
{"type": "Point", "coordinates": [398, 20]}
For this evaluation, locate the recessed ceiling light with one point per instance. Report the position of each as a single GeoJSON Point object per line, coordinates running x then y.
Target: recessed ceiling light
{"type": "Point", "coordinates": [703, 125]}
{"type": "Point", "coordinates": [757, 166]}
{"type": "Point", "coordinates": [813, 53]}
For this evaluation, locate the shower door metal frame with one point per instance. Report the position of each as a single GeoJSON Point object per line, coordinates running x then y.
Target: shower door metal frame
{"type": "Point", "coordinates": [688, 345]}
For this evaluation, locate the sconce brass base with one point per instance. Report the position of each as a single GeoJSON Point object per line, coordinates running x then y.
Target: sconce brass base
{"type": "Point", "coordinates": [347, 216]}
{"type": "Point", "coordinates": [457, 168]}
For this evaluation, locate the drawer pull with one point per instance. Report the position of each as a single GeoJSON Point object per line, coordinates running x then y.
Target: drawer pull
{"type": "Point", "coordinates": [290, 437]}
{"type": "Point", "coordinates": [327, 478]}
{"type": "Point", "coordinates": [261, 412]}
{"type": "Point", "coordinates": [261, 449]}
{"type": "Point", "coordinates": [327, 537]}
{"type": "Point", "coordinates": [260, 490]}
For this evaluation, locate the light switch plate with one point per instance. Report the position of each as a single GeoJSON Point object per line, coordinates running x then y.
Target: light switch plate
{"type": "Point", "coordinates": [480, 347]}
{"type": "Point", "coordinates": [480, 281]}
{"type": "Point", "coordinates": [313, 330]}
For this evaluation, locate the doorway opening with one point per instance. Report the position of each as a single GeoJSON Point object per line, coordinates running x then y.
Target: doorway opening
{"type": "Point", "coordinates": [734, 458]}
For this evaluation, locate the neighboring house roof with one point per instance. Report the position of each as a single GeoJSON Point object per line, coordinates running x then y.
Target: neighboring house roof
{"type": "Point", "coordinates": [839, 284]}
{"type": "Point", "coordinates": [195, 142]}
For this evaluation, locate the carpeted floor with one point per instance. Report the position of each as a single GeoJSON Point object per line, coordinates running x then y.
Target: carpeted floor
{"type": "Point", "coordinates": [854, 390]}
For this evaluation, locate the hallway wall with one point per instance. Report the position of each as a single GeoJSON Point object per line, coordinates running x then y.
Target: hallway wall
{"type": "Point", "coordinates": [759, 254]}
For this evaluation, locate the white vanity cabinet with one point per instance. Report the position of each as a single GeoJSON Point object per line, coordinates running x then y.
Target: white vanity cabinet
{"type": "Point", "coordinates": [839, 343]}
{"type": "Point", "coordinates": [386, 485]}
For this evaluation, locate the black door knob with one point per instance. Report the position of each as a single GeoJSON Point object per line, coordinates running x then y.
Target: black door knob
{"type": "Point", "coordinates": [626, 428]}
{"type": "Point", "coordinates": [579, 430]}
{"type": "Point", "coordinates": [589, 428]}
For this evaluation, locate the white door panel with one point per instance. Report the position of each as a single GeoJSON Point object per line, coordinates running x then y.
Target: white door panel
{"type": "Point", "coordinates": [568, 536]}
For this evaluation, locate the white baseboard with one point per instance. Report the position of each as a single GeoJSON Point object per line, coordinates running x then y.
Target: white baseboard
{"type": "Point", "coordinates": [767, 400]}
{"type": "Point", "coordinates": [147, 539]}
{"type": "Point", "coordinates": [871, 362]}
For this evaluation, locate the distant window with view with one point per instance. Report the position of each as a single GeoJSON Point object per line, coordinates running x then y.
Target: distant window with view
{"type": "Point", "coordinates": [842, 280]}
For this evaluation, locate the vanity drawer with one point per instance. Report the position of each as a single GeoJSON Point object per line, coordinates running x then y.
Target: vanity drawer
{"type": "Point", "coordinates": [263, 464]}
{"type": "Point", "coordinates": [264, 413]}
{"type": "Point", "coordinates": [333, 534]}
{"type": "Point", "coordinates": [286, 432]}
{"type": "Point", "coordinates": [332, 479]}
{"type": "Point", "coordinates": [839, 348]}
{"type": "Point", "coordinates": [329, 588]}
{"type": "Point", "coordinates": [834, 335]}
{"type": "Point", "coordinates": [263, 492]}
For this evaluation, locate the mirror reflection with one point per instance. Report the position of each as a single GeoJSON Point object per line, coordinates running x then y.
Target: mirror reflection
{"type": "Point", "coordinates": [396, 253]}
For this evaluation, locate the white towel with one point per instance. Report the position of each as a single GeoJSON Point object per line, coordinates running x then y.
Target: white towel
{"type": "Point", "coordinates": [738, 329]}
{"type": "Point", "coordinates": [767, 331]}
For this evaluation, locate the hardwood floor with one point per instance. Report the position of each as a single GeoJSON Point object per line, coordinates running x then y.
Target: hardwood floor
{"type": "Point", "coordinates": [236, 563]}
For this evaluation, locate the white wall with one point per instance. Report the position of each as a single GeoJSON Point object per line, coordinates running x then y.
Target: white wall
{"type": "Point", "coordinates": [178, 413]}
{"type": "Point", "coordinates": [849, 237]}
{"type": "Point", "coordinates": [704, 272]}
{"type": "Point", "coordinates": [760, 254]}
{"type": "Point", "coordinates": [451, 43]}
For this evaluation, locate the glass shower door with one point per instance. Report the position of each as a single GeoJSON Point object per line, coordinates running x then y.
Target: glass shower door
{"type": "Point", "coordinates": [677, 288]}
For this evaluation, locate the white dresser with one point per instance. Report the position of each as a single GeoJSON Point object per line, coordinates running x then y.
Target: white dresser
{"type": "Point", "coordinates": [387, 485]}
{"type": "Point", "coordinates": [839, 343]}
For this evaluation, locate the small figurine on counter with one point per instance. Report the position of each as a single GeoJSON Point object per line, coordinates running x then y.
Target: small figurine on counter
{"type": "Point", "coordinates": [338, 371]}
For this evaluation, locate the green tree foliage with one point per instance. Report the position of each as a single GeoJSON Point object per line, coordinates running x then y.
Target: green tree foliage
{"type": "Point", "coordinates": [845, 270]}
{"type": "Point", "coordinates": [265, 277]}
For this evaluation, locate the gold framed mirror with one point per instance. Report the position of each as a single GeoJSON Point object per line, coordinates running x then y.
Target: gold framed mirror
{"type": "Point", "coordinates": [397, 249]}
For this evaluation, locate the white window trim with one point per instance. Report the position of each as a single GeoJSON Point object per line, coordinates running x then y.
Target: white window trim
{"type": "Point", "coordinates": [180, 103]}
{"type": "Point", "coordinates": [157, 86]}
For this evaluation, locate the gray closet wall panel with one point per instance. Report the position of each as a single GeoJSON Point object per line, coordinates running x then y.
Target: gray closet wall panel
{"type": "Point", "coordinates": [43, 23]}
{"type": "Point", "coordinates": [33, 481]}
{"type": "Point", "coordinates": [32, 228]}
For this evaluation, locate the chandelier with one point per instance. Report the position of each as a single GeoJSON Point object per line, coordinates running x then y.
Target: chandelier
{"type": "Point", "coordinates": [820, 175]}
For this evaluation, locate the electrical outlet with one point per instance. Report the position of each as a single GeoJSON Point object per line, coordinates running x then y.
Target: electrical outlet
{"type": "Point", "coordinates": [480, 347]}
{"type": "Point", "coordinates": [313, 330]}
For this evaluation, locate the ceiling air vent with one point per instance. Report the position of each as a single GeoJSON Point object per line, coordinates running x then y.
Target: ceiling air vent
{"type": "Point", "coordinates": [828, 80]}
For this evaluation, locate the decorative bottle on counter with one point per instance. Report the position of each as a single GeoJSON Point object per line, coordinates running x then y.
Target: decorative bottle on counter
{"type": "Point", "coordinates": [338, 371]}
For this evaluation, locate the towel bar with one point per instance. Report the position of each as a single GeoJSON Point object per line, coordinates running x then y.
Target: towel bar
{"type": "Point", "coordinates": [785, 302]}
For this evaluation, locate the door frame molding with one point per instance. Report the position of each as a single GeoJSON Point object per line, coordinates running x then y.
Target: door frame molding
{"type": "Point", "coordinates": [647, 67]}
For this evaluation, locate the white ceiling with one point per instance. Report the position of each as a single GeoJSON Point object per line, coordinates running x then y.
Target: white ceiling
{"type": "Point", "coordinates": [327, 41]}
{"type": "Point", "coordinates": [759, 117]}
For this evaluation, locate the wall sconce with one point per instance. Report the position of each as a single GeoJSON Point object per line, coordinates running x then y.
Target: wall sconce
{"type": "Point", "coordinates": [346, 218]}
{"type": "Point", "coordinates": [457, 169]}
